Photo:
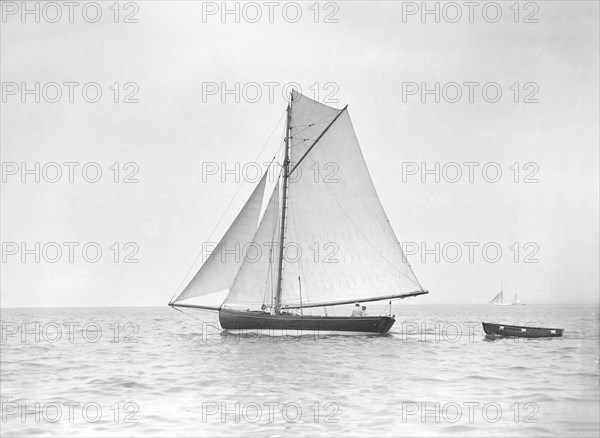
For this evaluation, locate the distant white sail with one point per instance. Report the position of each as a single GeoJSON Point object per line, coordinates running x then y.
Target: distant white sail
{"type": "Point", "coordinates": [498, 299]}
{"type": "Point", "coordinates": [221, 267]}
{"type": "Point", "coordinates": [340, 242]}
{"type": "Point", "coordinates": [256, 280]}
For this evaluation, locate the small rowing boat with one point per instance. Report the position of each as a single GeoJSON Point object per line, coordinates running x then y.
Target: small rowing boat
{"type": "Point", "coordinates": [515, 331]}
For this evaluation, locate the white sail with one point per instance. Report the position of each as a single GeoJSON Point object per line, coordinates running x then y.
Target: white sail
{"type": "Point", "coordinates": [498, 299]}
{"type": "Point", "coordinates": [338, 238]}
{"type": "Point", "coordinates": [256, 280]}
{"type": "Point", "coordinates": [221, 267]}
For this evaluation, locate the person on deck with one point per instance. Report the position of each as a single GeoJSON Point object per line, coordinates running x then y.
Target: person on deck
{"type": "Point", "coordinates": [356, 311]}
{"type": "Point", "coordinates": [364, 310]}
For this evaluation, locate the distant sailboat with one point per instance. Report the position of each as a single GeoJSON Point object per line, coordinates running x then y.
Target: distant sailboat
{"type": "Point", "coordinates": [498, 300]}
{"type": "Point", "coordinates": [273, 293]}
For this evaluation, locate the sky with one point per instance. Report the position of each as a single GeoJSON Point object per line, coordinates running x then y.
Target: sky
{"type": "Point", "coordinates": [169, 73]}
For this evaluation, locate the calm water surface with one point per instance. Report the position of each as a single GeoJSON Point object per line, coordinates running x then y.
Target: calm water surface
{"type": "Point", "coordinates": [159, 372]}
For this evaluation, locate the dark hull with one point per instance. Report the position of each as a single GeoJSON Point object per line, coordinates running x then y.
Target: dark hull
{"type": "Point", "coordinates": [515, 331]}
{"type": "Point", "coordinates": [297, 325]}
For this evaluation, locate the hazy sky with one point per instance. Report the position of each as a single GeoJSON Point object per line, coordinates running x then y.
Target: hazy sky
{"type": "Point", "coordinates": [366, 59]}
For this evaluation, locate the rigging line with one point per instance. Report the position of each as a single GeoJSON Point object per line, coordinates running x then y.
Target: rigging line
{"type": "Point", "coordinates": [312, 111]}
{"type": "Point", "coordinates": [314, 108]}
{"type": "Point", "coordinates": [187, 314]}
{"type": "Point", "coordinates": [318, 139]}
{"type": "Point", "coordinates": [267, 279]}
{"type": "Point", "coordinates": [273, 237]}
{"type": "Point", "coordinates": [318, 122]}
{"type": "Point", "coordinates": [322, 121]}
{"type": "Point", "coordinates": [227, 209]}
{"type": "Point", "coordinates": [300, 141]}
{"type": "Point", "coordinates": [365, 237]}
{"type": "Point", "coordinates": [293, 209]}
{"type": "Point", "coordinates": [387, 305]}
{"type": "Point", "coordinates": [270, 268]}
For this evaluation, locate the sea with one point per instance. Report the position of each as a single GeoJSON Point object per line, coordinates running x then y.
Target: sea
{"type": "Point", "coordinates": [145, 372]}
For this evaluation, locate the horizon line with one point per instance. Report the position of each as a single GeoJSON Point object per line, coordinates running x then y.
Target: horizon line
{"type": "Point", "coordinates": [432, 304]}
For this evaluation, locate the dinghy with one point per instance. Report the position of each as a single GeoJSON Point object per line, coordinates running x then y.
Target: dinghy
{"type": "Point", "coordinates": [515, 331]}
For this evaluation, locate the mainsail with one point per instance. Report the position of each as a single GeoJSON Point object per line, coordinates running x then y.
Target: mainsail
{"type": "Point", "coordinates": [221, 267]}
{"type": "Point", "coordinates": [340, 242]}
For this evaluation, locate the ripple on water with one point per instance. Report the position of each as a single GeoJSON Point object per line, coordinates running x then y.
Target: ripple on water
{"type": "Point", "coordinates": [174, 370]}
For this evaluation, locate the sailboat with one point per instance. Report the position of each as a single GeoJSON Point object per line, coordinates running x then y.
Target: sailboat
{"type": "Point", "coordinates": [361, 259]}
{"type": "Point", "coordinates": [498, 300]}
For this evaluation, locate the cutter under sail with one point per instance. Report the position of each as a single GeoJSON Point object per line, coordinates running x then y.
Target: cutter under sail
{"type": "Point", "coordinates": [323, 239]}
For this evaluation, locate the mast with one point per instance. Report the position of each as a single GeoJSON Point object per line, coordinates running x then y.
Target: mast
{"type": "Point", "coordinates": [286, 175]}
